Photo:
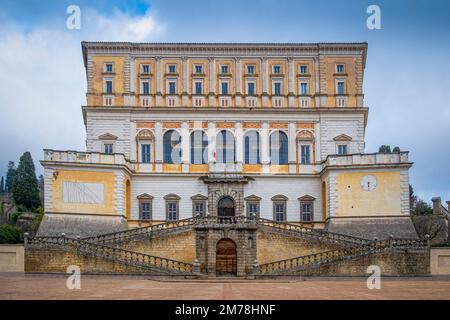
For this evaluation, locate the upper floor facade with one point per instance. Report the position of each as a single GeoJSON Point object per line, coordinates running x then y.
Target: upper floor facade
{"type": "Point", "coordinates": [159, 75]}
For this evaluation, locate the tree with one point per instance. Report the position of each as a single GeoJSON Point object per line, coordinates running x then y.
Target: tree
{"type": "Point", "coordinates": [2, 185]}
{"type": "Point", "coordinates": [385, 149]}
{"type": "Point", "coordinates": [417, 205]}
{"type": "Point", "coordinates": [25, 184]}
{"type": "Point", "coordinates": [10, 176]}
{"type": "Point", "coordinates": [396, 149]}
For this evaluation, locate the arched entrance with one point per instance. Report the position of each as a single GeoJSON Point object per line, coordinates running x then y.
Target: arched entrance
{"type": "Point", "coordinates": [226, 207]}
{"type": "Point", "coordinates": [226, 257]}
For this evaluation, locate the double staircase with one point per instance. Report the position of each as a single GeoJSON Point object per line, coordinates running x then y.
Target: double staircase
{"type": "Point", "coordinates": [105, 245]}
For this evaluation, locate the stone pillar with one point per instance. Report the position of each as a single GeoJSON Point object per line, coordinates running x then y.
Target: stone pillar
{"type": "Point", "coordinates": [185, 82]}
{"type": "Point", "coordinates": [291, 83]}
{"type": "Point", "coordinates": [238, 82]}
{"type": "Point", "coordinates": [239, 143]}
{"type": "Point", "coordinates": [185, 150]}
{"type": "Point", "coordinates": [317, 141]}
{"type": "Point", "coordinates": [211, 141]}
{"type": "Point", "coordinates": [159, 73]}
{"type": "Point", "coordinates": [212, 80]}
{"type": "Point", "coordinates": [292, 130]}
{"type": "Point", "coordinates": [265, 83]}
{"type": "Point", "coordinates": [265, 145]}
{"type": "Point", "coordinates": [158, 146]}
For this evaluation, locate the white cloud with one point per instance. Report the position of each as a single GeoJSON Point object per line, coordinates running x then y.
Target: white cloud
{"type": "Point", "coordinates": [43, 84]}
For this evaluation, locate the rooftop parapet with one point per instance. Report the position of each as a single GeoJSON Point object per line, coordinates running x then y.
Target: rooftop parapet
{"type": "Point", "coordinates": [361, 159]}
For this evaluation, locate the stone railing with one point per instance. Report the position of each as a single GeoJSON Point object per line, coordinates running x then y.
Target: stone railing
{"type": "Point", "coordinates": [366, 159]}
{"type": "Point", "coordinates": [315, 260]}
{"type": "Point", "coordinates": [87, 157]}
{"type": "Point", "coordinates": [216, 167]}
{"type": "Point", "coordinates": [118, 255]}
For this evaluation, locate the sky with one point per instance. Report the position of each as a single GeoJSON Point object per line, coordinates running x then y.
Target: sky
{"type": "Point", "coordinates": [406, 84]}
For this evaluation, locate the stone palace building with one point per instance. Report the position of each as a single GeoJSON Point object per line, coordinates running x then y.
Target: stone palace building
{"type": "Point", "coordinates": [275, 132]}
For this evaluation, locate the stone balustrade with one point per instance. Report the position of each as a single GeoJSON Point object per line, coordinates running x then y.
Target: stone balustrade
{"type": "Point", "coordinates": [366, 159]}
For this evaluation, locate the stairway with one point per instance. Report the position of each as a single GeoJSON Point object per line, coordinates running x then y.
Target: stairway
{"type": "Point", "coordinates": [148, 263]}
{"type": "Point", "coordinates": [316, 260]}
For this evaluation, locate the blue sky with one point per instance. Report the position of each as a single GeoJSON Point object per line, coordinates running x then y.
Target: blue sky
{"type": "Point", "coordinates": [407, 79]}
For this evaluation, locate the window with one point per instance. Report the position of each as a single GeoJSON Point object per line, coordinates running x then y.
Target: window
{"type": "Point", "coordinates": [145, 68]}
{"type": "Point", "coordinates": [199, 145]}
{"type": "Point", "coordinates": [306, 208]}
{"type": "Point", "coordinates": [251, 148]}
{"type": "Point", "coordinates": [303, 69]}
{"type": "Point", "coordinates": [276, 69]}
{"type": "Point", "coordinates": [342, 149]}
{"type": "Point", "coordinates": [172, 147]}
{"type": "Point", "coordinates": [172, 68]}
{"type": "Point", "coordinates": [108, 148]}
{"type": "Point", "coordinates": [198, 88]}
{"type": "Point", "coordinates": [224, 69]}
{"type": "Point", "coordinates": [172, 201]}
{"type": "Point", "coordinates": [251, 88]}
{"type": "Point", "coordinates": [280, 209]}
{"type": "Point", "coordinates": [277, 88]}
{"type": "Point", "coordinates": [339, 68]}
{"type": "Point", "coordinates": [304, 88]}
{"type": "Point", "coordinates": [253, 209]}
{"type": "Point", "coordinates": [198, 69]}
{"type": "Point", "coordinates": [145, 87]}
{"type": "Point", "coordinates": [340, 87]}
{"type": "Point", "coordinates": [145, 206]}
{"type": "Point", "coordinates": [250, 69]}
{"type": "Point", "coordinates": [109, 67]}
{"type": "Point", "coordinates": [305, 154]}
{"type": "Point", "coordinates": [145, 153]}
{"type": "Point", "coordinates": [279, 148]}
{"type": "Point", "coordinates": [109, 86]}
{"type": "Point", "coordinates": [224, 87]}
{"type": "Point", "coordinates": [225, 149]}
{"type": "Point", "coordinates": [199, 209]}
{"type": "Point", "coordinates": [172, 87]}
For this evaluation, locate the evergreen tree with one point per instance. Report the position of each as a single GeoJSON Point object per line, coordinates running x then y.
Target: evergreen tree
{"type": "Point", "coordinates": [396, 149]}
{"type": "Point", "coordinates": [25, 184]}
{"type": "Point", "coordinates": [10, 176]}
{"type": "Point", "coordinates": [2, 185]}
{"type": "Point", "coordinates": [385, 149]}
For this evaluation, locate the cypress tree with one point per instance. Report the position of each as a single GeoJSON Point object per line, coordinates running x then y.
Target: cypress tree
{"type": "Point", "coordinates": [25, 184]}
{"type": "Point", "coordinates": [10, 176]}
{"type": "Point", "coordinates": [2, 185]}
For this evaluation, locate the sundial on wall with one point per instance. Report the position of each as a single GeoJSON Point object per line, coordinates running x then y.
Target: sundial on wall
{"type": "Point", "coordinates": [368, 183]}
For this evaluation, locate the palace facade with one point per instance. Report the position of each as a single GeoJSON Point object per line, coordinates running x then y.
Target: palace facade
{"type": "Point", "coordinates": [275, 131]}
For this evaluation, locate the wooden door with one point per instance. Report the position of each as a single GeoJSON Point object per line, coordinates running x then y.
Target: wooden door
{"type": "Point", "coordinates": [226, 257]}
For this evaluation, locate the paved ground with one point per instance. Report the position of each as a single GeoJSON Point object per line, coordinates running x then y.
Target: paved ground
{"type": "Point", "coordinates": [20, 286]}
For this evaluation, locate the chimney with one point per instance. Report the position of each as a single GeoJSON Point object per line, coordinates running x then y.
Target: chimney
{"type": "Point", "coordinates": [436, 205]}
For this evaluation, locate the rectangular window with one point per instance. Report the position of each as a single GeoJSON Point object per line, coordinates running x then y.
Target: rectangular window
{"type": "Point", "coordinates": [305, 154]}
{"type": "Point", "coordinates": [109, 67]}
{"type": "Point", "coordinates": [172, 68]}
{"type": "Point", "coordinates": [306, 209]}
{"type": "Point", "coordinates": [198, 69]}
{"type": "Point", "coordinates": [145, 68]}
{"type": "Point", "coordinates": [108, 148]}
{"type": "Point", "coordinates": [109, 86]}
{"type": "Point", "coordinates": [250, 69]}
{"type": "Point", "coordinates": [253, 209]}
{"type": "Point", "coordinates": [304, 88]}
{"type": "Point", "coordinates": [277, 88]}
{"type": "Point", "coordinates": [340, 87]}
{"type": "Point", "coordinates": [276, 69]}
{"type": "Point", "coordinates": [303, 69]}
{"type": "Point", "coordinates": [342, 149]}
{"type": "Point", "coordinates": [198, 88]}
{"type": "Point", "coordinates": [224, 88]}
{"type": "Point", "coordinates": [172, 87]}
{"type": "Point", "coordinates": [146, 211]}
{"type": "Point", "coordinates": [251, 88]}
{"type": "Point", "coordinates": [224, 69]}
{"type": "Point", "coordinates": [172, 211]}
{"type": "Point", "coordinates": [145, 87]}
{"type": "Point", "coordinates": [339, 68]}
{"type": "Point", "coordinates": [199, 209]}
{"type": "Point", "coordinates": [145, 151]}
{"type": "Point", "coordinates": [279, 211]}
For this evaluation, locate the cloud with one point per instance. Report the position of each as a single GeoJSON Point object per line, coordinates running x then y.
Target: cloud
{"type": "Point", "coordinates": [43, 82]}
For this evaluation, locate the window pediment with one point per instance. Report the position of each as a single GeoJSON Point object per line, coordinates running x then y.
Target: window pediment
{"type": "Point", "coordinates": [342, 137]}
{"type": "Point", "coordinates": [305, 135]}
{"type": "Point", "coordinates": [307, 198]}
{"type": "Point", "coordinates": [199, 197]}
{"type": "Point", "coordinates": [172, 196]}
{"type": "Point", "coordinates": [144, 196]}
{"type": "Point", "coordinates": [144, 134]}
{"type": "Point", "coordinates": [279, 197]}
{"type": "Point", "coordinates": [252, 198]}
{"type": "Point", "coordinates": [107, 136]}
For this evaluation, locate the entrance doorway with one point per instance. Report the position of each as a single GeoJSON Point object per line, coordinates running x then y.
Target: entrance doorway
{"type": "Point", "coordinates": [226, 258]}
{"type": "Point", "coordinates": [225, 207]}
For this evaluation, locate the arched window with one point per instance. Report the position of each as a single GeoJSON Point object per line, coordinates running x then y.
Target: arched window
{"type": "Point", "coordinates": [225, 147]}
{"type": "Point", "coordinates": [172, 147]}
{"type": "Point", "coordinates": [251, 148]}
{"type": "Point", "coordinates": [278, 148]}
{"type": "Point", "coordinates": [199, 145]}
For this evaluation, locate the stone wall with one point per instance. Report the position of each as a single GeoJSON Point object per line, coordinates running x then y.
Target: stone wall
{"type": "Point", "coordinates": [440, 261]}
{"type": "Point", "coordinates": [274, 247]}
{"type": "Point", "coordinates": [11, 258]}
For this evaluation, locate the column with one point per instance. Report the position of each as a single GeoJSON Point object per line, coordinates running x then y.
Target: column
{"type": "Point", "coordinates": [158, 146]}
{"type": "Point", "coordinates": [212, 80]}
{"type": "Point", "coordinates": [185, 82]}
{"type": "Point", "coordinates": [265, 82]}
{"type": "Point", "coordinates": [317, 141]}
{"type": "Point", "coordinates": [291, 83]}
{"type": "Point", "coordinates": [211, 141]}
{"type": "Point", "coordinates": [159, 81]}
{"type": "Point", "coordinates": [185, 150]}
{"type": "Point", "coordinates": [239, 143]}
{"type": "Point", "coordinates": [265, 145]}
{"type": "Point", "coordinates": [238, 82]}
{"type": "Point", "coordinates": [292, 147]}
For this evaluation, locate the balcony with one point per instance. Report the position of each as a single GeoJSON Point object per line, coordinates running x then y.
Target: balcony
{"type": "Point", "coordinates": [304, 102]}
{"type": "Point", "coordinates": [367, 159]}
{"type": "Point", "coordinates": [145, 100]}
{"type": "Point", "coordinates": [87, 158]}
{"type": "Point", "coordinates": [341, 101]}
{"type": "Point", "coordinates": [225, 168]}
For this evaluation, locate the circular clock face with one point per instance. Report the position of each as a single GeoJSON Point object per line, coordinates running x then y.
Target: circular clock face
{"type": "Point", "coordinates": [368, 183]}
